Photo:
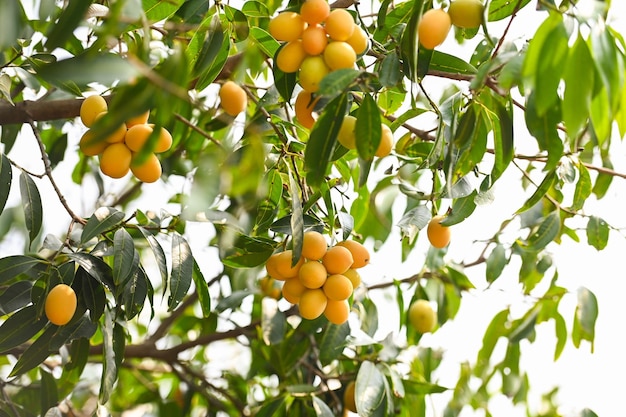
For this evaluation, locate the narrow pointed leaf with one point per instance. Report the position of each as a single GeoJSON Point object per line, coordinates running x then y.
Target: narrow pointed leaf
{"type": "Point", "coordinates": [368, 129]}
{"type": "Point", "coordinates": [95, 267]}
{"type": "Point", "coordinates": [6, 177]}
{"type": "Point", "coordinates": [547, 231]}
{"type": "Point", "coordinates": [583, 187]}
{"type": "Point", "coordinates": [202, 290]}
{"type": "Point", "coordinates": [31, 202]}
{"type": "Point", "coordinates": [597, 232]}
{"type": "Point", "coordinates": [20, 327]}
{"type": "Point", "coordinates": [159, 255]}
{"type": "Point", "coordinates": [12, 266]}
{"type": "Point", "coordinates": [503, 141]}
{"type": "Point", "coordinates": [540, 192]}
{"type": "Point", "coordinates": [369, 390]}
{"type": "Point", "coordinates": [15, 297]}
{"type": "Point", "coordinates": [70, 18]}
{"type": "Point", "coordinates": [579, 82]}
{"type": "Point", "coordinates": [135, 293]}
{"type": "Point", "coordinates": [182, 270]}
{"type": "Point", "coordinates": [35, 353]}
{"type": "Point", "coordinates": [102, 220]}
{"type": "Point", "coordinates": [125, 258]}
{"type": "Point", "coordinates": [297, 221]}
{"type": "Point", "coordinates": [333, 342]}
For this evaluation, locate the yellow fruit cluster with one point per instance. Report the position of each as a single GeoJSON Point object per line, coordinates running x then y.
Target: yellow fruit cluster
{"type": "Point", "coordinates": [323, 279]}
{"type": "Point", "coordinates": [118, 151]}
{"type": "Point", "coordinates": [348, 138]}
{"type": "Point", "coordinates": [316, 41]}
{"type": "Point", "coordinates": [435, 24]}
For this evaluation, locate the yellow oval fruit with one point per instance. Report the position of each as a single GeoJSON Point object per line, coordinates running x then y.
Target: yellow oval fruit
{"type": "Point", "coordinates": [312, 303]}
{"type": "Point", "coordinates": [149, 170]}
{"type": "Point", "coordinates": [304, 107]}
{"type": "Point", "coordinates": [339, 25]}
{"type": "Point", "coordinates": [360, 254]}
{"type": "Point", "coordinates": [438, 234]}
{"type": "Point", "coordinates": [117, 135]}
{"type": "Point", "coordinates": [354, 277]}
{"type": "Point", "coordinates": [386, 142]}
{"type": "Point", "coordinates": [138, 120]}
{"type": "Point", "coordinates": [115, 160]}
{"type": "Point", "coordinates": [337, 260]}
{"type": "Point", "coordinates": [233, 98]}
{"type": "Point", "coordinates": [349, 401]}
{"type": "Point", "coordinates": [90, 108]}
{"type": "Point", "coordinates": [346, 135]}
{"type": "Point", "coordinates": [287, 26]}
{"type": "Point", "coordinates": [433, 28]}
{"type": "Point", "coordinates": [339, 55]}
{"type": "Point", "coordinates": [314, 11]}
{"type": "Point", "coordinates": [271, 267]}
{"type": "Point", "coordinates": [60, 304]}
{"type": "Point", "coordinates": [290, 57]}
{"type": "Point", "coordinates": [312, 71]}
{"type": "Point", "coordinates": [292, 290]}
{"type": "Point", "coordinates": [467, 14]}
{"type": "Point", "coordinates": [137, 136]}
{"type": "Point", "coordinates": [337, 312]}
{"type": "Point", "coordinates": [89, 147]}
{"type": "Point", "coordinates": [284, 267]}
{"type": "Point", "coordinates": [314, 40]}
{"type": "Point", "coordinates": [313, 245]}
{"type": "Point", "coordinates": [358, 40]}
{"type": "Point", "coordinates": [164, 142]}
{"type": "Point", "coordinates": [422, 316]}
{"type": "Point", "coordinates": [312, 274]}
{"type": "Point", "coordinates": [338, 287]}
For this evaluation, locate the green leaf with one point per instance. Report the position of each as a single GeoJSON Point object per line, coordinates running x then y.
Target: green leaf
{"type": "Point", "coordinates": [539, 193]}
{"type": "Point", "coordinates": [20, 327]}
{"type": "Point", "coordinates": [135, 293]}
{"type": "Point", "coordinates": [157, 10]}
{"type": "Point", "coordinates": [297, 221]}
{"type": "Point", "coordinates": [496, 329]}
{"type": "Point", "coordinates": [337, 82]}
{"type": "Point", "coordinates": [272, 322]}
{"type": "Point", "coordinates": [415, 387]}
{"type": "Point", "coordinates": [274, 408]}
{"type": "Point", "coordinates": [101, 221]}
{"type": "Point", "coordinates": [159, 254]}
{"type": "Point", "coordinates": [368, 129]}
{"type": "Point", "coordinates": [35, 353]}
{"type": "Point", "coordinates": [462, 208]}
{"type": "Point", "coordinates": [48, 392]}
{"type": "Point", "coordinates": [524, 327]}
{"type": "Point", "coordinates": [585, 317]}
{"type": "Point", "coordinates": [609, 62]}
{"type": "Point", "coordinates": [390, 73]}
{"type": "Point", "coordinates": [285, 82]}
{"type": "Point", "coordinates": [583, 187]}
{"type": "Point", "coordinates": [503, 140]}
{"type": "Point", "coordinates": [70, 17]}
{"type": "Point", "coordinates": [440, 61]}
{"type": "Point", "coordinates": [266, 43]}
{"type": "Point", "coordinates": [125, 258]}
{"type": "Point", "coordinates": [82, 70]}
{"type": "Point", "coordinates": [333, 342]}
{"type": "Point", "coordinates": [182, 270]}
{"type": "Point", "coordinates": [501, 9]}
{"type": "Point", "coordinates": [547, 231]}
{"type": "Point", "coordinates": [247, 251]}
{"type": "Point", "coordinates": [579, 83]}
{"type": "Point", "coordinates": [6, 177]}
{"type": "Point", "coordinates": [413, 221]}
{"type": "Point", "coordinates": [321, 409]}
{"type": "Point", "coordinates": [319, 149]}
{"type": "Point", "coordinates": [92, 293]}
{"type": "Point", "coordinates": [12, 266]}
{"type": "Point", "coordinates": [561, 335]}
{"type": "Point", "coordinates": [31, 203]}
{"type": "Point", "coordinates": [202, 290]}
{"type": "Point", "coordinates": [550, 66]}
{"type": "Point", "coordinates": [109, 360]}
{"type": "Point", "coordinates": [544, 129]}
{"type": "Point", "coordinates": [495, 263]}
{"type": "Point", "coordinates": [597, 232]}
{"type": "Point", "coordinates": [409, 45]}
{"type": "Point", "coordinates": [95, 267]}
{"type": "Point", "coordinates": [370, 389]}
{"type": "Point", "coordinates": [465, 129]}
{"type": "Point", "coordinates": [15, 297]}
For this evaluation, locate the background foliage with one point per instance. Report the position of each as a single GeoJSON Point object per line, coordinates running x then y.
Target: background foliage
{"type": "Point", "coordinates": [183, 328]}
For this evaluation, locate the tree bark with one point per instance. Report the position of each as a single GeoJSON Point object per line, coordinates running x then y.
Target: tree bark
{"type": "Point", "coordinates": [39, 111]}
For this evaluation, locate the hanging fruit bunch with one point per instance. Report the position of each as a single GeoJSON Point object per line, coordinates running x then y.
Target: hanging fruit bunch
{"type": "Point", "coordinates": [120, 151]}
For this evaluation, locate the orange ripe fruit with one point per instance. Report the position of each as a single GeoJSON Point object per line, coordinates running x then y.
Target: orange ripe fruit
{"type": "Point", "coordinates": [164, 142]}
{"type": "Point", "coordinates": [290, 57]}
{"type": "Point", "coordinates": [115, 160]}
{"type": "Point", "coordinates": [314, 11]}
{"type": "Point", "coordinates": [386, 142]}
{"type": "Point", "coordinates": [312, 303]}
{"type": "Point", "coordinates": [90, 108]}
{"type": "Point", "coordinates": [438, 234]}
{"type": "Point", "coordinates": [337, 312]}
{"type": "Point", "coordinates": [283, 265]}
{"type": "Point", "coordinates": [304, 106]}
{"type": "Point", "coordinates": [233, 98]}
{"type": "Point", "coordinates": [354, 277]}
{"type": "Point", "coordinates": [287, 26]}
{"type": "Point", "coordinates": [337, 260]}
{"type": "Point", "coordinates": [339, 25]}
{"type": "Point", "coordinates": [314, 40]}
{"type": "Point", "coordinates": [292, 290]}
{"type": "Point", "coordinates": [433, 28]}
{"type": "Point", "coordinates": [312, 71]}
{"type": "Point", "coordinates": [358, 40]}
{"type": "Point", "coordinates": [312, 274]}
{"type": "Point", "coordinates": [60, 304]}
{"type": "Point", "coordinates": [338, 287]}
{"type": "Point", "coordinates": [313, 245]}
{"type": "Point", "coordinates": [149, 170]}
{"type": "Point", "coordinates": [137, 136]}
{"type": "Point", "coordinates": [349, 398]}
{"type": "Point", "coordinates": [338, 55]}
{"type": "Point", "coordinates": [271, 267]}
{"type": "Point", "coordinates": [89, 147]}
{"type": "Point", "coordinates": [138, 120]}
{"type": "Point", "coordinates": [360, 254]}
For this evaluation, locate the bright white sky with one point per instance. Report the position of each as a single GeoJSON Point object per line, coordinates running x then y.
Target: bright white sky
{"type": "Point", "coordinates": [583, 377]}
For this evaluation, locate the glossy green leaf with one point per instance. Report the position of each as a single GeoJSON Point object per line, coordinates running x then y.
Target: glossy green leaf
{"type": "Point", "coordinates": [276, 407]}
{"type": "Point", "coordinates": [547, 231]}
{"type": "Point", "coordinates": [182, 270]}
{"type": "Point", "coordinates": [212, 61]}
{"type": "Point", "coordinates": [409, 45]}
{"type": "Point", "coordinates": [297, 221]}
{"type": "Point", "coordinates": [597, 232]}
{"type": "Point", "coordinates": [462, 208]}
{"type": "Point", "coordinates": [368, 129]}
{"type": "Point", "coordinates": [440, 61]}
{"type": "Point", "coordinates": [321, 409]}
{"type": "Point", "coordinates": [48, 392]}
{"type": "Point", "coordinates": [501, 9]}
{"type": "Point", "coordinates": [31, 203]}
{"type": "Point", "coordinates": [496, 261]}
{"type": "Point", "coordinates": [333, 342]}
{"type": "Point", "coordinates": [413, 221]}
{"type": "Point", "coordinates": [412, 386]}
{"type": "Point", "coordinates": [579, 83]}
{"type": "Point", "coordinates": [337, 82]}
{"type": "Point", "coordinates": [12, 266]}
{"type": "Point", "coordinates": [20, 327]}
{"type": "Point", "coordinates": [35, 354]}
{"type": "Point", "coordinates": [91, 293]}
{"type": "Point", "coordinates": [247, 251]}
{"type": "Point", "coordinates": [523, 327]}
{"type": "Point", "coordinates": [540, 192]}
{"type": "Point", "coordinates": [157, 10]}
{"type": "Point", "coordinates": [266, 43]}
{"type": "Point", "coordinates": [202, 290]}
{"type": "Point", "coordinates": [95, 267]}
{"type": "Point", "coordinates": [496, 329]}
{"type": "Point", "coordinates": [207, 41]}
{"type": "Point", "coordinates": [503, 140]}
{"type": "Point", "coordinates": [370, 389]}
{"type": "Point", "coordinates": [585, 317]}
{"type": "Point", "coordinates": [544, 129]}
{"type": "Point", "coordinates": [583, 187]}
{"type": "Point", "coordinates": [237, 23]}
{"type": "Point", "coordinates": [70, 18]}
{"type": "Point", "coordinates": [284, 82]}
{"type": "Point", "coordinates": [103, 220]}
{"type": "Point", "coordinates": [159, 254]}
{"type": "Point", "coordinates": [15, 297]}
{"type": "Point", "coordinates": [550, 66]}
{"type": "Point", "coordinates": [109, 362]}
{"type": "Point", "coordinates": [609, 61]}
{"type": "Point", "coordinates": [390, 73]}
{"type": "Point", "coordinates": [272, 322]}
{"type": "Point", "coordinates": [319, 149]}
{"type": "Point", "coordinates": [560, 330]}
{"type": "Point", "coordinates": [6, 177]}
{"type": "Point", "coordinates": [125, 258]}
{"type": "Point", "coordinates": [135, 293]}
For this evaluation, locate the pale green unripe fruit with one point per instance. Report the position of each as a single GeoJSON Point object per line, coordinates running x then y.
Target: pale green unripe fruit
{"type": "Point", "coordinates": [422, 316]}
{"type": "Point", "coordinates": [467, 14]}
